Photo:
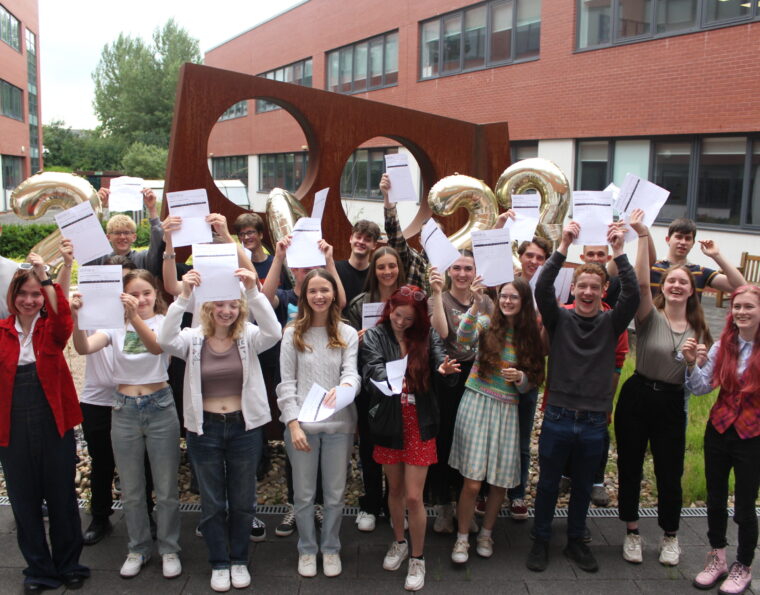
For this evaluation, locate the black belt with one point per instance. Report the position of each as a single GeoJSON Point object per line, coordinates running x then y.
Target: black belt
{"type": "Point", "coordinates": [658, 385]}
{"type": "Point", "coordinates": [223, 417]}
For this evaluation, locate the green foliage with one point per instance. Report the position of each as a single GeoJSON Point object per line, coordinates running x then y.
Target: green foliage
{"type": "Point", "coordinates": [145, 161]}
{"type": "Point", "coordinates": [69, 150]}
{"type": "Point", "coordinates": [135, 84]}
{"type": "Point", "coordinates": [143, 234]}
{"type": "Point", "coordinates": [18, 240]}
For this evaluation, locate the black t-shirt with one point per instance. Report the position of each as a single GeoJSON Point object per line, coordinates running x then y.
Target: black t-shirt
{"type": "Point", "coordinates": [352, 279]}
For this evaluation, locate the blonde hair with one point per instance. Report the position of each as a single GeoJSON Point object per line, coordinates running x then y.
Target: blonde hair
{"type": "Point", "coordinates": [119, 222]}
{"type": "Point", "coordinates": [236, 329]}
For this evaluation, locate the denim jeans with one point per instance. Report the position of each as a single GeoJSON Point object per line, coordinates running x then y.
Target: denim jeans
{"type": "Point", "coordinates": [526, 414]}
{"type": "Point", "coordinates": [577, 436]}
{"type": "Point", "coordinates": [331, 452]}
{"type": "Point", "coordinates": [148, 423]}
{"type": "Point", "coordinates": [226, 457]}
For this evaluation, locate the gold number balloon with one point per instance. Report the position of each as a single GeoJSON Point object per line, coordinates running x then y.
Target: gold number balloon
{"type": "Point", "coordinates": [283, 210]}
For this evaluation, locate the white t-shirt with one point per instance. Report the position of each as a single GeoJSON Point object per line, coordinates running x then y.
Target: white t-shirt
{"type": "Point", "coordinates": [132, 362]}
{"type": "Point", "coordinates": [98, 378]}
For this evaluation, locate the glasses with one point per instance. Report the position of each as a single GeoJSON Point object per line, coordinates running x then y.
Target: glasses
{"type": "Point", "coordinates": [28, 266]}
{"type": "Point", "coordinates": [247, 234]}
{"type": "Point", "coordinates": [509, 297]}
{"type": "Point", "coordinates": [121, 233]}
{"type": "Point", "coordinates": [407, 291]}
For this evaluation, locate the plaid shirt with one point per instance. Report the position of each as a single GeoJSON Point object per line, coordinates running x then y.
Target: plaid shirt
{"type": "Point", "coordinates": [739, 410]}
{"type": "Point", "coordinates": [415, 264]}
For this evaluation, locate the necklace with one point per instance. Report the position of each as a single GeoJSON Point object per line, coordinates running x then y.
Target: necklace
{"type": "Point", "coordinates": [677, 353]}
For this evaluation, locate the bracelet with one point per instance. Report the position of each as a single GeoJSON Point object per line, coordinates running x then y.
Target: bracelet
{"type": "Point", "coordinates": [169, 256]}
{"type": "Point", "coordinates": [644, 235]}
{"type": "Point", "coordinates": [68, 266]}
{"type": "Point", "coordinates": [47, 282]}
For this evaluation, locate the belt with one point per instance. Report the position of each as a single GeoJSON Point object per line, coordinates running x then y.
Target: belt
{"type": "Point", "coordinates": [658, 385]}
{"type": "Point", "coordinates": [575, 413]}
{"type": "Point", "coordinates": [223, 417]}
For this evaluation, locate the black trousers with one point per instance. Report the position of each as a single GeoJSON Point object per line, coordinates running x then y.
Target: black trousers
{"type": "Point", "coordinates": [374, 500]}
{"type": "Point", "coordinates": [658, 418]}
{"type": "Point", "coordinates": [722, 453]}
{"type": "Point", "coordinates": [40, 465]}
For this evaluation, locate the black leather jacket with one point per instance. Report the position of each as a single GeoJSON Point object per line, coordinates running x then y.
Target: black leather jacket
{"type": "Point", "coordinates": [379, 346]}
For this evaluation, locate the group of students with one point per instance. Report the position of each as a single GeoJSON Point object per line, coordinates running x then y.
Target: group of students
{"type": "Point", "coordinates": [457, 430]}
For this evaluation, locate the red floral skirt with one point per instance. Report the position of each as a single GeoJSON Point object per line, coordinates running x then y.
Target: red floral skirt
{"type": "Point", "coordinates": [415, 451]}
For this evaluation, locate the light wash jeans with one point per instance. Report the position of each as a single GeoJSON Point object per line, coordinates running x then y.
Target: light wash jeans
{"type": "Point", "coordinates": [332, 452]}
{"type": "Point", "coordinates": [139, 423]}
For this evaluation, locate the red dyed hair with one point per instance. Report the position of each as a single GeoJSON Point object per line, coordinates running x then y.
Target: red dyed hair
{"type": "Point", "coordinates": [417, 336]}
{"type": "Point", "coordinates": [727, 361]}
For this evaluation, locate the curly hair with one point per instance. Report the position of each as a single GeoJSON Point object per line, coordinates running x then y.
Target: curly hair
{"type": "Point", "coordinates": [303, 320]}
{"type": "Point", "coordinates": [695, 316]}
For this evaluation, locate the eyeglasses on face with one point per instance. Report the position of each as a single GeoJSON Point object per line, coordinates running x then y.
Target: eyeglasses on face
{"type": "Point", "coordinates": [247, 234]}
{"type": "Point", "coordinates": [121, 233]}
{"type": "Point", "coordinates": [509, 297]}
{"type": "Point", "coordinates": [407, 291]}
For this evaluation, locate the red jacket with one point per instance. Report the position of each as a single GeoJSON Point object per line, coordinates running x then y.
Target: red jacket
{"type": "Point", "coordinates": [49, 340]}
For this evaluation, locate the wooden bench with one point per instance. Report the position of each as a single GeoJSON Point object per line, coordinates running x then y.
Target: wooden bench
{"type": "Point", "coordinates": [749, 268]}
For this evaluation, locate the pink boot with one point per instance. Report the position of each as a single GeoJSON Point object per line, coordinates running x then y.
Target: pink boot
{"type": "Point", "coordinates": [715, 570]}
{"type": "Point", "coordinates": [739, 578]}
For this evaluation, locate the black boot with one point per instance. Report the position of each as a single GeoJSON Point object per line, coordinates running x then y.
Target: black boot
{"type": "Point", "coordinates": [98, 529]}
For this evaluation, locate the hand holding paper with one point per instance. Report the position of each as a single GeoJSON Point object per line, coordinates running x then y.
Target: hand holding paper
{"type": "Point", "coordinates": [402, 187]}
{"type": "Point", "coordinates": [321, 403]}
{"type": "Point", "coordinates": [304, 249]}
{"type": "Point", "coordinates": [440, 251]}
{"type": "Point", "coordinates": [637, 193]}
{"type": "Point", "coordinates": [593, 212]}
{"type": "Point", "coordinates": [192, 206]}
{"type": "Point", "coordinates": [80, 225]}
{"type": "Point", "coordinates": [491, 249]}
{"type": "Point", "coordinates": [395, 371]}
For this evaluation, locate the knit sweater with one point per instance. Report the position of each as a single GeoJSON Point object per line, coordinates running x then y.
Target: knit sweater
{"type": "Point", "coordinates": [327, 367]}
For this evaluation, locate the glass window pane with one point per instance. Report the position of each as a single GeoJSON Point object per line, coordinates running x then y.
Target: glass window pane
{"type": "Point", "coordinates": [721, 177]}
{"type": "Point", "coordinates": [501, 31]}
{"type": "Point", "coordinates": [346, 69]}
{"type": "Point", "coordinates": [528, 32]}
{"type": "Point", "coordinates": [475, 37]}
{"type": "Point", "coordinates": [279, 74]}
{"type": "Point", "coordinates": [360, 67]}
{"type": "Point", "coordinates": [298, 73]}
{"type": "Point", "coordinates": [634, 18]}
{"type": "Point", "coordinates": [288, 76]}
{"type": "Point", "coordinates": [753, 212]}
{"type": "Point", "coordinates": [671, 171]}
{"type": "Point", "coordinates": [631, 156]}
{"type": "Point", "coordinates": [523, 150]}
{"type": "Point", "coordinates": [592, 163]}
{"type": "Point", "coordinates": [594, 24]}
{"type": "Point", "coordinates": [361, 174]}
{"type": "Point", "coordinates": [676, 15]}
{"type": "Point", "coordinates": [429, 50]}
{"type": "Point", "coordinates": [376, 169]}
{"type": "Point", "coordinates": [346, 184]}
{"type": "Point", "coordinates": [391, 59]}
{"type": "Point", "coordinates": [376, 62]}
{"type": "Point", "coordinates": [333, 59]}
{"type": "Point", "coordinates": [307, 73]}
{"type": "Point", "coordinates": [723, 10]}
{"type": "Point", "coordinates": [452, 43]}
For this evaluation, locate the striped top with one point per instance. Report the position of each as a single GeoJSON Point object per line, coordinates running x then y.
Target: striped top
{"type": "Point", "coordinates": [702, 276]}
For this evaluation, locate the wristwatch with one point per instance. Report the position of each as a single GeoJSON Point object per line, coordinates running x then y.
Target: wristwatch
{"type": "Point", "coordinates": [168, 256]}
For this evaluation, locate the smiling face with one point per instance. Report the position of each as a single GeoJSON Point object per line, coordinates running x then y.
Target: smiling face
{"type": "Point", "coordinates": [225, 313]}
{"type": "Point", "coordinates": [319, 295]}
{"type": "Point", "coordinates": [362, 244]}
{"type": "Point", "coordinates": [680, 244]}
{"type": "Point", "coordinates": [402, 318]}
{"type": "Point", "coordinates": [462, 272]}
{"type": "Point", "coordinates": [745, 310]}
{"type": "Point", "coordinates": [509, 301]}
{"type": "Point", "coordinates": [146, 297]}
{"type": "Point", "coordinates": [386, 270]}
{"type": "Point", "coordinates": [677, 286]}
{"type": "Point", "coordinates": [533, 257]}
{"type": "Point", "coordinates": [250, 238]}
{"type": "Point", "coordinates": [122, 240]}
{"type": "Point", "coordinates": [29, 299]}
{"type": "Point", "coordinates": [587, 291]}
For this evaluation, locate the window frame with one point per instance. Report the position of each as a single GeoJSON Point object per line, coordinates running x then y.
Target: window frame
{"type": "Point", "coordinates": [300, 159]}
{"type": "Point", "coordinates": [352, 47]}
{"type": "Point", "coordinates": [8, 20]}
{"type": "Point", "coordinates": [263, 106]}
{"type": "Point", "coordinates": [365, 191]}
{"type": "Point", "coordinates": [5, 110]}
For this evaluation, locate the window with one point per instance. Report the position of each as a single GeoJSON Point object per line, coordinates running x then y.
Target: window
{"type": "Point", "coordinates": [753, 202]}
{"type": "Point", "coordinates": [721, 179]}
{"type": "Point", "coordinates": [609, 22]}
{"type": "Point", "coordinates": [10, 29]}
{"type": "Point", "coordinates": [237, 110]}
{"type": "Point", "coordinates": [600, 162]}
{"type": "Point", "coordinates": [489, 34]}
{"type": "Point", "coordinates": [230, 168]}
{"type": "Point", "coordinates": [298, 73]}
{"type": "Point", "coordinates": [13, 171]}
{"type": "Point", "coordinates": [365, 65]}
{"type": "Point", "coordinates": [362, 173]}
{"type": "Point", "coordinates": [31, 77]}
{"type": "Point", "coordinates": [11, 101]}
{"type": "Point", "coordinates": [282, 170]}
{"type": "Point", "coordinates": [524, 149]}
{"type": "Point", "coordinates": [593, 164]}
{"type": "Point", "coordinates": [672, 162]}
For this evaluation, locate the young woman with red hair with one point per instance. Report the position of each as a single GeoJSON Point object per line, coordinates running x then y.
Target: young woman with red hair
{"type": "Point", "coordinates": [404, 426]}
{"type": "Point", "coordinates": [732, 436]}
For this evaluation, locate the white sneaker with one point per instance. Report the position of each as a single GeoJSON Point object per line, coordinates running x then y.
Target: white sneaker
{"type": "Point", "coordinates": [240, 576]}
{"type": "Point", "coordinates": [670, 551]}
{"type": "Point", "coordinates": [459, 554]}
{"type": "Point", "coordinates": [444, 520]}
{"type": "Point", "coordinates": [396, 554]}
{"type": "Point", "coordinates": [133, 565]}
{"type": "Point", "coordinates": [415, 576]}
{"type": "Point", "coordinates": [484, 546]}
{"type": "Point", "coordinates": [365, 521]}
{"type": "Point", "coordinates": [171, 565]}
{"type": "Point", "coordinates": [307, 565]}
{"type": "Point", "coordinates": [632, 549]}
{"type": "Point", "coordinates": [220, 579]}
{"type": "Point", "coordinates": [331, 565]}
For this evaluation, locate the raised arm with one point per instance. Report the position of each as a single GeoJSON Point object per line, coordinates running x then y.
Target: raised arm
{"type": "Point", "coordinates": [153, 258]}
{"type": "Point", "coordinates": [64, 273]}
{"type": "Point", "coordinates": [269, 288]}
{"type": "Point", "coordinates": [327, 250]}
{"type": "Point", "coordinates": [643, 265]}
{"type": "Point", "coordinates": [84, 344]}
{"type": "Point", "coordinates": [546, 298]}
{"type": "Point", "coordinates": [169, 337]}
{"type": "Point", "coordinates": [147, 336]}
{"type": "Point", "coordinates": [628, 303]}
{"type": "Point", "coordinates": [169, 268]}
{"type": "Point", "coordinates": [438, 316]}
{"type": "Point", "coordinates": [730, 278]}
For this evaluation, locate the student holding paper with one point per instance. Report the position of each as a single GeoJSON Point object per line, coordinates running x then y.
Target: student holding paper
{"type": "Point", "coordinates": [143, 418]}
{"type": "Point", "coordinates": [38, 413]}
{"type": "Point", "coordinates": [317, 348]}
{"type": "Point", "coordinates": [651, 408]}
{"type": "Point", "coordinates": [405, 425]}
{"type": "Point", "coordinates": [224, 413]}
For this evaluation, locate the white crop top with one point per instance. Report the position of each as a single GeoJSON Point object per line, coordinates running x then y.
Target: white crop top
{"type": "Point", "coordinates": [132, 362]}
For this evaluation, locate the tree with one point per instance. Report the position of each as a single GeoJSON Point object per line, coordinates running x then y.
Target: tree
{"type": "Point", "coordinates": [135, 84]}
{"type": "Point", "coordinates": [80, 149]}
{"type": "Point", "coordinates": [145, 161]}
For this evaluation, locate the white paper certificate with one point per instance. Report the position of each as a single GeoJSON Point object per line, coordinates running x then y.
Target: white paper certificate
{"type": "Point", "coordinates": [526, 208]}
{"type": "Point", "coordinates": [320, 199]}
{"type": "Point", "coordinates": [314, 408]}
{"type": "Point", "coordinates": [216, 264]}
{"type": "Point", "coordinates": [402, 185]}
{"type": "Point", "coordinates": [192, 206]}
{"type": "Point", "coordinates": [101, 288]}
{"type": "Point", "coordinates": [80, 225]}
{"type": "Point", "coordinates": [637, 193]}
{"type": "Point", "coordinates": [492, 249]}
{"type": "Point", "coordinates": [593, 212]}
{"type": "Point", "coordinates": [561, 283]}
{"type": "Point", "coordinates": [395, 370]}
{"type": "Point", "coordinates": [304, 249]}
{"type": "Point", "coordinates": [126, 194]}
{"type": "Point", "coordinates": [440, 251]}
{"type": "Point", "coordinates": [371, 313]}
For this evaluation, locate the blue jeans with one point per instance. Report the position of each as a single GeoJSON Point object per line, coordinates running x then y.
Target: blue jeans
{"type": "Point", "coordinates": [225, 459]}
{"type": "Point", "coordinates": [526, 414]}
{"type": "Point", "coordinates": [577, 437]}
{"type": "Point", "coordinates": [330, 454]}
{"type": "Point", "coordinates": [148, 423]}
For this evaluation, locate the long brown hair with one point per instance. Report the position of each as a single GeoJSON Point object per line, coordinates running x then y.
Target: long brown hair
{"type": "Point", "coordinates": [159, 306]}
{"type": "Point", "coordinates": [526, 338]}
{"type": "Point", "coordinates": [695, 316]}
{"type": "Point", "coordinates": [303, 320]}
{"type": "Point", "coordinates": [371, 285]}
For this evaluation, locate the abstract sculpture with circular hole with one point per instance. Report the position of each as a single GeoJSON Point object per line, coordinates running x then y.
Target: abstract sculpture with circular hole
{"type": "Point", "coordinates": [459, 191]}
{"type": "Point", "coordinates": [283, 210]}
{"type": "Point", "coordinates": [32, 198]}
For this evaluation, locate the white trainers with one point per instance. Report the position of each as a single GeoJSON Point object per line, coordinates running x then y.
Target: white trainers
{"type": "Point", "coordinates": [670, 551]}
{"type": "Point", "coordinates": [220, 579]}
{"type": "Point", "coordinates": [632, 549]}
{"type": "Point", "coordinates": [171, 565]}
{"type": "Point", "coordinates": [460, 555]}
{"type": "Point", "coordinates": [415, 576]}
{"type": "Point", "coordinates": [444, 520]}
{"type": "Point", "coordinates": [307, 565]}
{"type": "Point", "coordinates": [331, 565]}
{"type": "Point", "coordinates": [365, 521]}
{"type": "Point", "coordinates": [484, 546]}
{"type": "Point", "coordinates": [396, 554]}
{"type": "Point", "coordinates": [240, 576]}
{"type": "Point", "coordinates": [133, 565]}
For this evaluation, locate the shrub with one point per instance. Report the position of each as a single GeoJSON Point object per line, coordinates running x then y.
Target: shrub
{"type": "Point", "coordinates": [18, 240]}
